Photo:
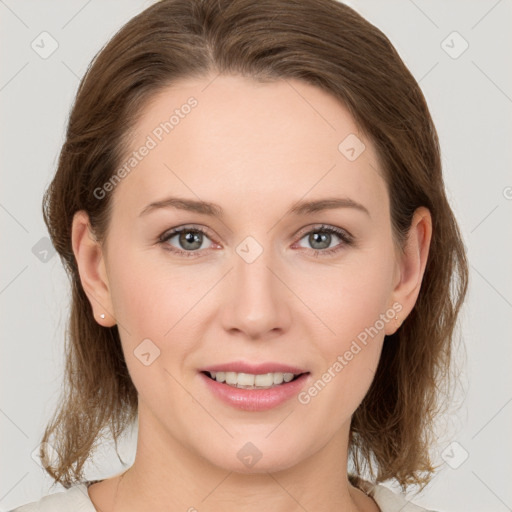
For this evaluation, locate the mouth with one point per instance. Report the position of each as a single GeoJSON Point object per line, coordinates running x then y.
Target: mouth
{"type": "Point", "coordinates": [253, 381]}
{"type": "Point", "coordinates": [259, 388]}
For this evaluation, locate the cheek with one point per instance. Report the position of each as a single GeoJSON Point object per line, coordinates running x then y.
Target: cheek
{"type": "Point", "coordinates": [157, 301]}
{"type": "Point", "coordinates": [354, 305]}
{"type": "Point", "coordinates": [355, 309]}
{"type": "Point", "coordinates": [147, 294]}
{"type": "Point", "coordinates": [353, 296]}
{"type": "Point", "coordinates": [135, 300]}
{"type": "Point", "coordinates": [148, 302]}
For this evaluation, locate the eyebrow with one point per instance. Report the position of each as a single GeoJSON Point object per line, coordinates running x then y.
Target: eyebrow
{"type": "Point", "coordinates": [214, 210]}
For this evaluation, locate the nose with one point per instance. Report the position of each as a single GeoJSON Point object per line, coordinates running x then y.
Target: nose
{"type": "Point", "coordinates": [257, 298]}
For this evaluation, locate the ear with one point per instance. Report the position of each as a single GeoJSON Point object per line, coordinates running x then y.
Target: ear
{"type": "Point", "coordinates": [411, 266]}
{"type": "Point", "coordinates": [91, 266]}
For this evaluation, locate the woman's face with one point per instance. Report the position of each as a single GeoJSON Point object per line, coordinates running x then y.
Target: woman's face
{"type": "Point", "coordinates": [266, 284]}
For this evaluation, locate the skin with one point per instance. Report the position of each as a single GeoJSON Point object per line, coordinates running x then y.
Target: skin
{"type": "Point", "coordinates": [254, 149]}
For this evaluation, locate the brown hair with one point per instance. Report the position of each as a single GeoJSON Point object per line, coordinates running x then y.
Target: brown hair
{"type": "Point", "coordinates": [321, 42]}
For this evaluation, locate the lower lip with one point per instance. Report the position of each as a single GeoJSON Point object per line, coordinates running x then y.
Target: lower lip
{"type": "Point", "coordinates": [255, 399]}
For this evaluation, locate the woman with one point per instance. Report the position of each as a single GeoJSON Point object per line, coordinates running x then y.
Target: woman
{"type": "Point", "coordinates": [266, 272]}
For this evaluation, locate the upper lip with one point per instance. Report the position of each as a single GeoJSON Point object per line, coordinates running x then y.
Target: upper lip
{"type": "Point", "coordinates": [253, 368]}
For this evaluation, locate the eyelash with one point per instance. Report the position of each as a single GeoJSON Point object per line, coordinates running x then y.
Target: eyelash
{"type": "Point", "coordinates": [347, 240]}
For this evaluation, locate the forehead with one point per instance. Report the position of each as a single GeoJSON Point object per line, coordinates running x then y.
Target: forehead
{"type": "Point", "coordinates": [241, 140]}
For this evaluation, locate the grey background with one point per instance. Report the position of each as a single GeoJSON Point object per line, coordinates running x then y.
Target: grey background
{"type": "Point", "coordinates": [470, 98]}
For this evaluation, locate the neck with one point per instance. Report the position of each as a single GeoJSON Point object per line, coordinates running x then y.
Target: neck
{"type": "Point", "coordinates": [167, 475]}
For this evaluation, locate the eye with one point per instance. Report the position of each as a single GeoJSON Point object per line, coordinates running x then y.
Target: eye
{"type": "Point", "coordinates": [189, 240]}
{"type": "Point", "coordinates": [321, 237]}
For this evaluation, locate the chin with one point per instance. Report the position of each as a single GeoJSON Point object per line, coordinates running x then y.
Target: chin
{"type": "Point", "coordinates": [256, 456]}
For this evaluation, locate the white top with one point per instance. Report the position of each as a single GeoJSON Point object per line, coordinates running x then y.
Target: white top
{"type": "Point", "coordinates": [76, 499]}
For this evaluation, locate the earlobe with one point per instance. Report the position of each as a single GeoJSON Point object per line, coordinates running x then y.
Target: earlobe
{"type": "Point", "coordinates": [91, 266]}
{"type": "Point", "coordinates": [413, 262]}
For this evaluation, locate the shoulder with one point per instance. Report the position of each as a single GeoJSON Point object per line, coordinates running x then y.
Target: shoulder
{"type": "Point", "coordinates": [74, 499]}
{"type": "Point", "coordinates": [387, 500]}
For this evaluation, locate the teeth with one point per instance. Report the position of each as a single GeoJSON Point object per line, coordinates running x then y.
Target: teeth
{"type": "Point", "coordinates": [250, 381]}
